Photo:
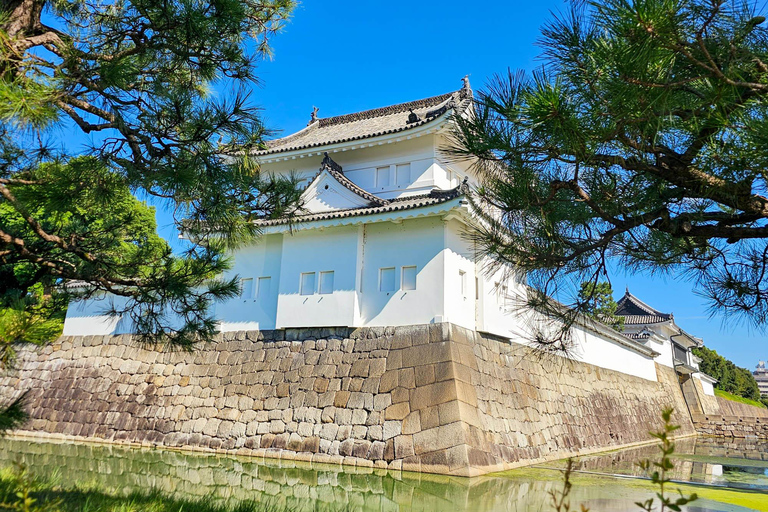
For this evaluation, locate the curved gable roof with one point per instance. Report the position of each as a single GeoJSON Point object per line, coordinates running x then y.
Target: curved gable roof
{"type": "Point", "coordinates": [636, 311]}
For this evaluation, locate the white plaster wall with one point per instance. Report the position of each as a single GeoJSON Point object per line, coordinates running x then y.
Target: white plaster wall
{"type": "Point", "coordinates": [459, 257]}
{"type": "Point", "coordinates": [418, 242]}
{"type": "Point", "coordinates": [602, 352]}
{"type": "Point", "coordinates": [88, 317]}
{"type": "Point", "coordinates": [262, 259]}
{"type": "Point", "coordinates": [494, 310]}
{"type": "Point", "coordinates": [507, 316]}
{"type": "Point", "coordinates": [318, 251]}
{"type": "Point", "coordinates": [662, 344]}
{"type": "Point", "coordinates": [707, 386]}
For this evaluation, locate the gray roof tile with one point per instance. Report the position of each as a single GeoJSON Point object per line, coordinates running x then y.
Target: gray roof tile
{"type": "Point", "coordinates": [434, 197]}
{"type": "Point", "coordinates": [371, 123]}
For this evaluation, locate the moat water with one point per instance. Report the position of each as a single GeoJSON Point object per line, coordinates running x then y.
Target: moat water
{"type": "Point", "coordinates": [729, 477]}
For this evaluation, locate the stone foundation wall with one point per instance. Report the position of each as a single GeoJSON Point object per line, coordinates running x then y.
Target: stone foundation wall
{"type": "Point", "coordinates": [432, 398]}
{"type": "Point", "coordinates": [730, 408]}
{"type": "Point", "coordinates": [533, 410]}
{"type": "Point", "coordinates": [731, 426]}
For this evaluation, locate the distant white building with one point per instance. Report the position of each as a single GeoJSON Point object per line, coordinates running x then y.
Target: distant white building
{"type": "Point", "coordinates": [383, 241]}
{"type": "Point", "coordinates": [659, 331]}
{"type": "Point", "coordinates": [761, 376]}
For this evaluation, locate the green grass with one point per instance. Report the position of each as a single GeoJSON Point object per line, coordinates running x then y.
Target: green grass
{"type": "Point", "coordinates": [735, 398]}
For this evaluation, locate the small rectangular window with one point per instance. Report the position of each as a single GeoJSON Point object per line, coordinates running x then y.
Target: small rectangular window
{"type": "Point", "coordinates": [403, 175]}
{"type": "Point", "coordinates": [387, 279]}
{"type": "Point", "coordinates": [463, 283]}
{"type": "Point", "coordinates": [307, 283]}
{"type": "Point", "coordinates": [246, 288]}
{"type": "Point", "coordinates": [382, 177]}
{"type": "Point", "coordinates": [409, 278]}
{"type": "Point", "coordinates": [262, 287]}
{"type": "Point", "coordinates": [326, 282]}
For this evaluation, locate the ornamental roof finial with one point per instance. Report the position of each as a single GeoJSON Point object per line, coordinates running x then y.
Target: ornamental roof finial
{"type": "Point", "coordinates": [313, 116]}
{"type": "Point", "coordinates": [466, 89]}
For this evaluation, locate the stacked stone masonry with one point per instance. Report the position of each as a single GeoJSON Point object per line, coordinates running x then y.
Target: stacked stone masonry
{"type": "Point", "coordinates": [431, 398]}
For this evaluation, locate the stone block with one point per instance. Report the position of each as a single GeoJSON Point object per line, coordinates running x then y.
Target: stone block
{"type": "Point", "coordinates": [425, 375]}
{"type": "Point", "coordinates": [434, 394]}
{"type": "Point", "coordinates": [329, 431]}
{"type": "Point", "coordinates": [429, 418]}
{"type": "Point", "coordinates": [400, 394]}
{"type": "Point", "coordinates": [392, 428]}
{"type": "Point", "coordinates": [397, 411]}
{"type": "Point", "coordinates": [375, 432]}
{"type": "Point", "coordinates": [389, 381]}
{"type": "Point", "coordinates": [321, 385]}
{"type": "Point", "coordinates": [356, 400]}
{"type": "Point", "coordinates": [359, 417]}
{"type": "Point", "coordinates": [407, 378]}
{"type": "Point", "coordinates": [360, 368]}
{"type": "Point", "coordinates": [412, 423]}
{"type": "Point", "coordinates": [381, 401]}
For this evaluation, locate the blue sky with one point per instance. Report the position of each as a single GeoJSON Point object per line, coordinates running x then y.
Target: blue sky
{"type": "Point", "coordinates": [344, 56]}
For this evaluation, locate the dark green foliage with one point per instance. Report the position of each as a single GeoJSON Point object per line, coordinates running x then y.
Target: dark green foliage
{"type": "Point", "coordinates": [643, 139]}
{"type": "Point", "coordinates": [13, 415]}
{"type": "Point", "coordinates": [596, 301]}
{"type": "Point", "coordinates": [730, 377]}
{"type": "Point", "coordinates": [159, 88]}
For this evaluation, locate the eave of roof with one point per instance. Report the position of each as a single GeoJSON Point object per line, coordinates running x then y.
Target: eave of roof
{"type": "Point", "coordinates": [643, 319]}
{"type": "Point", "coordinates": [435, 197]}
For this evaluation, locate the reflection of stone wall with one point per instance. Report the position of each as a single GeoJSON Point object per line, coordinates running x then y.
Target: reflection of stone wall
{"type": "Point", "coordinates": [279, 484]}
{"type": "Point", "coordinates": [434, 398]}
{"type": "Point", "coordinates": [732, 447]}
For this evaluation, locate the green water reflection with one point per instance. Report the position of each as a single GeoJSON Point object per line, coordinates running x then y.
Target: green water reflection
{"type": "Point", "coordinates": [738, 464]}
{"type": "Point", "coordinates": [304, 486]}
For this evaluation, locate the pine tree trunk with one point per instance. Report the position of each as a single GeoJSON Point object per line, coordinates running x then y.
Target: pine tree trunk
{"type": "Point", "coordinates": [21, 18]}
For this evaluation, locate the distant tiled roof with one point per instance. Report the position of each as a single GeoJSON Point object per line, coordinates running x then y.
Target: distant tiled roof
{"type": "Point", "coordinates": [434, 197]}
{"type": "Point", "coordinates": [636, 311]}
{"type": "Point", "coordinates": [371, 123]}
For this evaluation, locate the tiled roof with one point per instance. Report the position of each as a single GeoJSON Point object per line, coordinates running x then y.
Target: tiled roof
{"type": "Point", "coordinates": [371, 123]}
{"type": "Point", "coordinates": [636, 311]}
{"type": "Point", "coordinates": [434, 197]}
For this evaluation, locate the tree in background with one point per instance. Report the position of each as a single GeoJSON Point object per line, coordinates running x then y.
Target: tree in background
{"type": "Point", "coordinates": [643, 139]}
{"type": "Point", "coordinates": [596, 301]}
{"type": "Point", "coordinates": [160, 90]}
{"type": "Point", "coordinates": [730, 377]}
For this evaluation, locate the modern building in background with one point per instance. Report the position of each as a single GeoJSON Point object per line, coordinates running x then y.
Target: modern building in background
{"type": "Point", "coordinates": [761, 376]}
